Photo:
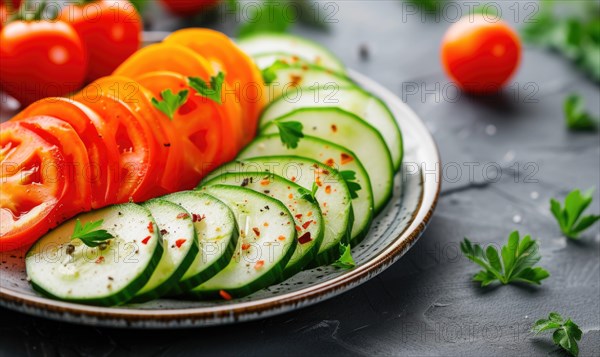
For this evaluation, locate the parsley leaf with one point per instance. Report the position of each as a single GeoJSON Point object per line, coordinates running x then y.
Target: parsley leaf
{"type": "Point", "coordinates": [575, 115]}
{"type": "Point", "coordinates": [569, 218]}
{"type": "Point", "coordinates": [89, 234]}
{"type": "Point", "coordinates": [269, 73]}
{"type": "Point", "coordinates": [268, 16]}
{"type": "Point", "coordinates": [213, 92]}
{"type": "Point", "coordinates": [576, 37]}
{"type": "Point", "coordinates": [345, 261]}
{"type": "Point", "coordinates": [170, 102]}
{"type": "Point", "coordinates": [516, 264]}
{"type": "Point", "coordinates": [290, 132]}
{"type": "Point", "coordinates": [566, 333]}
{"type": "Point", "coordinates": [308, 195]}
{"type": "Point", "coordinates": [353, 186]}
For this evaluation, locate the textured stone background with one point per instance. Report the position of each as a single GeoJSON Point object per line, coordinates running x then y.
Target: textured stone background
{"type": "Point", "coordinates": [425, 304]}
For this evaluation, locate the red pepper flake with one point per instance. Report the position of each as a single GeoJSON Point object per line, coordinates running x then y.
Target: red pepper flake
{"type": "Point", "coordinates": [180, 242]}
{"type": "Point", "coordinates": [256, 231]}
{"type": "Point", "coordinates": [299, 216]}
{"type": "Point", "coordinates": [197, 217]}
{"type": "Point", "coordinates": [298, 228]}
{"type": "Point", "coordinates": [281, 237]}
{"type": "Point", "coordinates": [225, 295]}
{"type": "Point", "coordinates": [346, 158]}
{"type": "Point", "coordinates": [295, 80]}
{"type": "Point", "coordinates": [145, 240]}
{"type": "Point", "coordinates": [100, 260]}
{"type": "Point", "coordinates": [334, 128]}
{"type": "Point", "coordinates": [309, 213]}
{"type": "Point", "coordinates": [150, 227]}
{"type": "Point", "coordinates": [266, 224]}
{"type": "Point", "coordinates": [264, 182]}
{"type": "Point", "coordinates": [330, 162]}
{"type": "Point", "coordinates": [259, 264]}
{"type": "Point", "coordinates": [183, 216]}
{"type": "Point", "coordinates": [245, 246]}
{"type": "Point", "coordinates": [318, 181]}
{"type": "Point", "coordinates": [305, 238]}
{"type": "Point", "coordinates": [327, 189]}
{"type": "Point", "coordinates": [291, 196]}
{"type": "Point", "coordinates": [293, 178]}
{"type": "Point", "coordinates": [306, 224]}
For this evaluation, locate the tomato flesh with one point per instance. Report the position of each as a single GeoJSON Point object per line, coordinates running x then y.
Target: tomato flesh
{"type": "Point", "coordinates": [92, 133]}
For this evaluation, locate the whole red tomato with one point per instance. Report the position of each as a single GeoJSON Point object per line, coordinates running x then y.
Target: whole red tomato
{"type": "Point", "coordinates": [480, 54]}
{"type": "Point", "coordinates": [110, 31]}
{"type": "Point", "coordinates": [186, 8]}
{"type": "Point", "coordinates": [40, 59]}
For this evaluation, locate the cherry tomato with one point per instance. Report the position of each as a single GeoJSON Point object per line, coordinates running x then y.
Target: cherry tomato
{"type": "Point", "coordinates": [92, 132]}
{"type": "Point", "coordinates": [241, 73]}
{"type": "Point", "coordinates": [186, 8]}
{"type": "Point", "coordinates": [40, 59]}
{"type": "Point", "coordinates": [137, 147]}
{"type": "Point", "coordinates": [480, 55]}
{"type": "Point", "coordinates": [110, 31]}
{"type": "Point", "coordinates": [201, 125]}
{"type": "Point", "coordinates": [31, 186]}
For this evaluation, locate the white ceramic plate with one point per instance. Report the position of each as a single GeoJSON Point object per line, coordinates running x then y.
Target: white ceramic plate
{"type": "Point", "coordinates": [393, 232]}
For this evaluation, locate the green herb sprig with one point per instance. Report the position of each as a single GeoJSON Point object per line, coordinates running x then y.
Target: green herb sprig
{"type": "Point", "coordinates": [345, 260]}
{"type": "Point", "coordinates": [170, 102]}
{"type": "Point", "coordinates": [569, 217]}
{"type": "Point", "coordinates": [290, 132]}
{"type": "Point", "coordinates": [566, 333]}
{"type": "Point", "coordinates": [575, 115]}
{"type": "Point", "coordinates": [515, 265]}
{"type": "Point", "coordinates": [353, 186]}
{"type": "Point", "coordinates": [90, 234]}
{"type": "Point", "coordinates": [212, 91]}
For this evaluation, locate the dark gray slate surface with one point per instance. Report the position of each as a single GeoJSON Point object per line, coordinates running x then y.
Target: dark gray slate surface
{"type": "Point", "coordinates": [425, 304]}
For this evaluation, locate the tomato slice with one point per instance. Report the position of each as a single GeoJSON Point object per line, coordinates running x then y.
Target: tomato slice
{"type": "Point", "coordinates": [32, 186]}
{"type": "Point", "coordinates": [92, 131]}
{"type": "Point", "coordinates": [202, 126]}
{"type": "Point", "coordinates": [76, 162]}
{"type": "Point", "coordinates": [165, 57]}
{"type": "Point", "coordinates": [241, 73]}
{"type": "Point", "coordinates": [137, 168]}
{"type": "Point", "coordinates": [136, 97]}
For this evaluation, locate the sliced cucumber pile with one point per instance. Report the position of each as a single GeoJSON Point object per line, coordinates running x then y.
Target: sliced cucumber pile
{"type": "Point", "coordinates": [334, 156]}
{"type": "Point", "coordinates": [110, 273]}
{"type": "Point", "coordinates": [348, 130]}
{"type": "Point", "coordinates": [180, 247]}
{"type": "Point", "coordinates": [290, 45]}
{"type": "Point", "coordinates": [290, 80]}
{"type": "Point", "coordinates": [332, 195]}
{"type": "Point", "coordinates": [267, 242]}
{"type": "Point", "coordinates": [216, 234]}
{"type": "Point", "coordinates": [322, 166]}
{"type": "Point", "coordinates": [351, 99]}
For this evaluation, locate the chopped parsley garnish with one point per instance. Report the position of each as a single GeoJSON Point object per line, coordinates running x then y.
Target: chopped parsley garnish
{"type": "Point", "coordinates": [345, 261]}
{"type": "Point", "coordinates": [290, 132]}
{"type": "Point", "coordinates": [212, 92]}
{"type": "Point", "coordinates": [353, 186]}
{"type": "Point", "coordinates": [89, 233]}
{"type": "Point", "coordinates": [170, 102]}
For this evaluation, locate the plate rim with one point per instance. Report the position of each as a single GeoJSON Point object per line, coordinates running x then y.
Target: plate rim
{"type": "Point", "coordinates": [252, 310]}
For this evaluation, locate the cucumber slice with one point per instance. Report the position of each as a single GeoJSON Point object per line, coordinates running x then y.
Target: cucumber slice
{"type": "Point", "coordinates": [292, 45]}
{"type": "Point", "coordinates": [332, 155]}
{"type": "Point", "coordinates": [263, 250]}
{"type": "Point", "coordinates": [346, 129]}
{"type": "Point", "coordinates": [352, 99]}
{"type": "Point", "coordinates": [336, 206]}
{"type": "Point", "coordinates": [291, 80]}
{"type": "Point", "coordinates": [109, 274]}
{"type": "Point", "coordinates": [216, 234]}
{"type": "Point", "coordinates": [180, 248]}
{"type": "Point", "coordinates": [301, 204]}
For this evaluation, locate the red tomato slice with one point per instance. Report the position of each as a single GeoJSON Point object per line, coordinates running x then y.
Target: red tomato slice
{"type": "Point", "coordinates": [31, 186]}
{"type": "Point", "coordinates": [241, 73]}
{"type": "Point", "coordinates": [136, 173]}
{"type": "Point", "coordinates": [201, 124]}
{"type": "Point", "coordinates": [77, 197]}
{"type": "Point", "coordinates": [137, 98]}
{"type": "Point", "coordinates": [101, 150]}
